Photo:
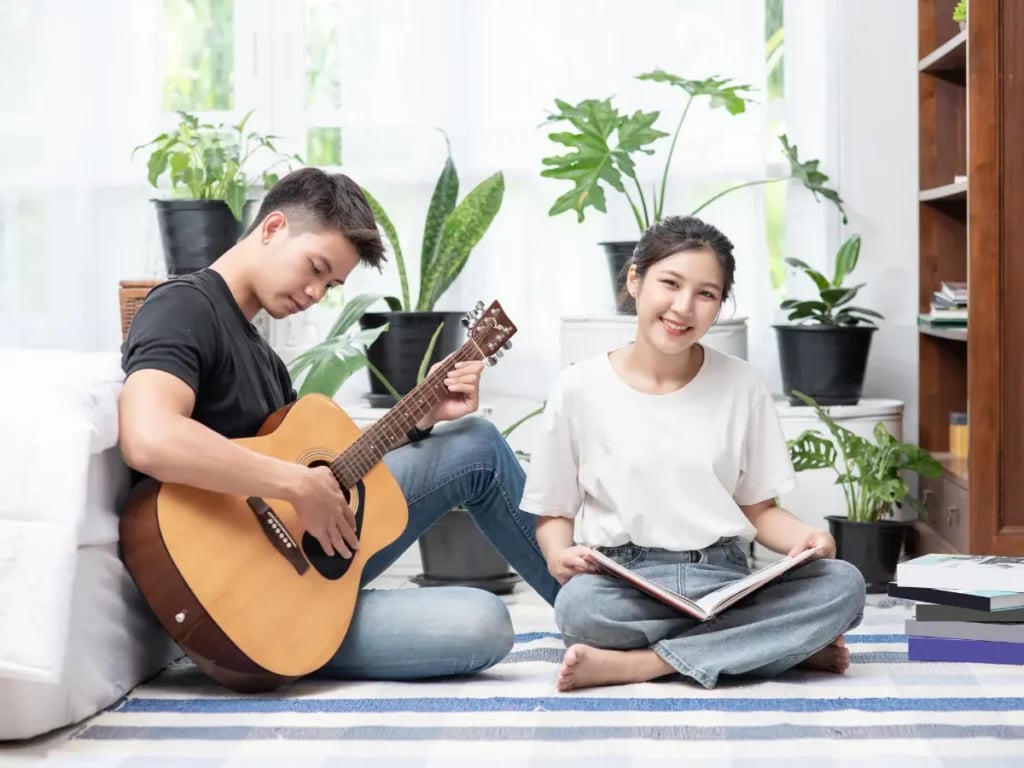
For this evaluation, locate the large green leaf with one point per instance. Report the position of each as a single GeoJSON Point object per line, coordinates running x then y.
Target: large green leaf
{"type": "Point", "coordinates": [392, 234]}
{"type": "Point", "coordinates": [593, 158]}
{"type": "Point", "coordinates": [808, 174]}
{"type": "Point", "coordinates": [819, 279]}
{"type": "Point", "coordinates": [846, 259]}
{"type": "Point", "coordinates": [718, 89]}
{"type": "Point", "coordinates": [811, 450]}
{"type": "Point", "coordinates": [462, 230]}
{"type": "Point", "coordinates": [425, 362]}
{"type": "Point", "coordinates": [330, 363]}
{"type": "Point", "coordinates": [442, 203]}
{"type": "Point", "coordinates": [836, 297]}
{"type": "Point", "coordinates": [351, 311]}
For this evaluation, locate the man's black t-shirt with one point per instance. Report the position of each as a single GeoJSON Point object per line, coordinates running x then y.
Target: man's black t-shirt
{"type": "Point", "coordinates": [192, 327]}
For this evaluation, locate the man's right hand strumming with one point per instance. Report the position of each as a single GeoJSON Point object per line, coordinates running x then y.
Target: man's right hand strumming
{"type": "Point", "coordinates": [324, 512]}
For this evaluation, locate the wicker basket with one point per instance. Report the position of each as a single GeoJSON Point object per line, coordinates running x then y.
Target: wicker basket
{"type": "Point", "coordinates": [132, 293]}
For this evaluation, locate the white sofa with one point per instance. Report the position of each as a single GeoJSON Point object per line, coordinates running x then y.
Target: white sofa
{"type": "Point", "coordinates": [75, 635]}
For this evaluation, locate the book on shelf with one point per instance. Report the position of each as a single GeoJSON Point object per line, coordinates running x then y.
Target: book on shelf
{"type": "Point", "coordinates": [954, 291]}
{"type": "Point", "coordinates": [711, 604]}
{"type": "Point", "coordinates": [976, 600]}
{"type": "Point", "coordinates": [943, 317]}
{"type": "Point", "coordinates": [942, 302]}
{"type": "Point", "coordinates": [963, 572]}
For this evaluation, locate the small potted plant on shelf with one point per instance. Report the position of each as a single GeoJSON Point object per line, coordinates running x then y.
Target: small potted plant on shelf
{"type": "Point", "coordinates": [605, 145]}
{"type": "Point", "coordinates": [869, 473]}
{"type": "Point", "coordinates": [824, 350]}
{"type": "Point", "coordinates": [960, 14]}
{"type": "Point", "coordinates": [210, 177]}
{"type": "Point", "coordinates": [451, 231]}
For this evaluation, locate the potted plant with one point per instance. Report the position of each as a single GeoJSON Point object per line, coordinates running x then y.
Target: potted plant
{"type": "Point", "coordinates": [960, 14]}
{"type": "Point", "coordinates": [451, 231]}
{"type": "Point", "coordinates": [605, 144]}
{"type": "Point", "coordinates": [869, 473]}
{"type": "Point", "coordinates": [209, 183]}
{"type": "Point", "coordinates": [825, 353]}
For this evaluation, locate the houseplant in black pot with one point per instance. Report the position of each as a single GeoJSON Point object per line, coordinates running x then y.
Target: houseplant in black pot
{"type": "Point", "coordinates": [207, 165]}
{"type": "Point", "coordinates": [869, 474]}
{"type": "Point", "coordinates": [605, 145]}
{"type": "Point", "coordinates": [825, 353]}
{"type": "Point", "coordinates": [451, 231]}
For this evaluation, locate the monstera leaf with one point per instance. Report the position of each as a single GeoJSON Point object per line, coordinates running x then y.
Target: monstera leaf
{"type": "Point", "coordinates": [718, 89]}
{"type": "Point", "coordinates": [807, 173]}
{"type": "Point", "coordinates": [595, 155]}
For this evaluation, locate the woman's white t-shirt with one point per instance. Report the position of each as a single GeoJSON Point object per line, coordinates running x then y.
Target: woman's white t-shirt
{"type": "Point", "coordinates": [667, 471]}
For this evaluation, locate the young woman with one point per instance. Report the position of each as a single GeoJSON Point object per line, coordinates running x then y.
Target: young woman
{"type": "Point", "coordinates": [668, 456]}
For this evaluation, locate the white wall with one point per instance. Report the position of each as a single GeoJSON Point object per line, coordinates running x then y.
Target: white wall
{"type": "Point", "coordinates": [877, 168]}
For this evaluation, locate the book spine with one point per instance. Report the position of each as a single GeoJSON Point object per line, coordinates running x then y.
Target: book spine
{"type": "Point", "coordinates": [979, 651]}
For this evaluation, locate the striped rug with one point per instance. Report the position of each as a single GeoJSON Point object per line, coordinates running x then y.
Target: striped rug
{"type": "Point", "coordinates": [916, 714]}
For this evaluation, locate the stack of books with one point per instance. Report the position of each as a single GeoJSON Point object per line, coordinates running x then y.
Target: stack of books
{"type": "Point", "coordinates": [971, 608]}
{"type": "Point", "coordinates": [948, 305]}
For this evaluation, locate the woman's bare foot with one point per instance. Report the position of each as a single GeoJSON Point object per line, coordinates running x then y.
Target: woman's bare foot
{"type": "Point", "coordinates": [834, 657]}
{"type": "Point", "coordinates": [584, 667]}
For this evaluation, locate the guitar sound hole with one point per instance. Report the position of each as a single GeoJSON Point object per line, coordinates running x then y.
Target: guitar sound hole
{"type": "Point", "coordinates": [334, 566]}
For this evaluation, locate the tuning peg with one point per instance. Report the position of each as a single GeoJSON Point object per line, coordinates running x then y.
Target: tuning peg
{"type": "Point", "coordinates": [507, 345]}
{"type": "Point", "coordinates": [492, 360]}
{"type": "Point", "coordinates": [479, 306]}
{"type": "Point", "coordinates": [465, 321]}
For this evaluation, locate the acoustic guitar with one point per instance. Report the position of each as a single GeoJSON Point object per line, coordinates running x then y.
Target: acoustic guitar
{"type": "Point", "coordinates": [248, 595]}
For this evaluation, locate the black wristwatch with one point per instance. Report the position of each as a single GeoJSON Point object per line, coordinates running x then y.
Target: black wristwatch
{"type": "Point", "coordinates": [415, 434]}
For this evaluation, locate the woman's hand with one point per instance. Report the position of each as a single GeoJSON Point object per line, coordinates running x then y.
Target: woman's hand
{"type": "Point", "coordinates": [570, 562]}
{"type": "Point", "coordinates": [821, 539]}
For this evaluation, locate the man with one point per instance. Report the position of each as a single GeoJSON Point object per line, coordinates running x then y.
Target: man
{"type": "Point", "coordinates": [198, 374]}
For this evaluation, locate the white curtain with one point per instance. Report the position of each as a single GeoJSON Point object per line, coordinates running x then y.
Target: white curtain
{"type": "Point", "coordinates": [82, 87]}
{"type": "Point", "coordinates": [78, 93]}
{"type": "Point", "coordinates": [488, 73]}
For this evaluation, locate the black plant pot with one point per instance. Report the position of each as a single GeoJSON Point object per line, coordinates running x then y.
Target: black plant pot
{"type": "Point", "coordinates": [456, 553]}
{"type": "Point", "coordinates": [195, 233]}
{"type": "Point", "coordinates": [826, 362]}
{"type": "Point", "coordinates": [398, 352]}
{"type": "Point", "coordinates": [619, 252]}
{"type": "Point", "coordinates": [873, 547]}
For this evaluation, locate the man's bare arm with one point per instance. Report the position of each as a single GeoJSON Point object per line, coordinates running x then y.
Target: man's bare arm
{"type": "Point", "coordinates": [159, 438]}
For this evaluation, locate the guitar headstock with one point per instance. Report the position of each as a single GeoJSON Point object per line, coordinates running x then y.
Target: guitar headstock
{"type": "Point", "coordinates": [490, 329]}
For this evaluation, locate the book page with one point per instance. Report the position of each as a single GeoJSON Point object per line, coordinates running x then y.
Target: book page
{"type": "Point", "coordinates": [658, 592]}
{"type": "Point", "coordinates": [721, 599]}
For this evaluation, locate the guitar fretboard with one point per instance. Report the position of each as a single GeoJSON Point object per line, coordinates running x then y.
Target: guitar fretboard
{"type": "Point", "coordinates": [390, 430]}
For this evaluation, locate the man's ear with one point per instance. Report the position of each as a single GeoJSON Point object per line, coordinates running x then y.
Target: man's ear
{"type": "Point", "coordinates": [273, 223]}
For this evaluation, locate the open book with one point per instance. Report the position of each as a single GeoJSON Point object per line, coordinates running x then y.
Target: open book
{"type": "Point", "coordinates": [711, 604]}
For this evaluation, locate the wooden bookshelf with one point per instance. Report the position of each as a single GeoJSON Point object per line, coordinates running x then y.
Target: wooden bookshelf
{"type": "Point", "coordinates": [970, 114]}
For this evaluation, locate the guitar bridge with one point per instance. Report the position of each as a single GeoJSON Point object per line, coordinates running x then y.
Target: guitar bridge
{"type": "Point", "coordinates": [278, 534]}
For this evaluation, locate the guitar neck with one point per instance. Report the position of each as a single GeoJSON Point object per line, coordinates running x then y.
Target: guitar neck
{"type": "Point", "coordinates": [390, 430]}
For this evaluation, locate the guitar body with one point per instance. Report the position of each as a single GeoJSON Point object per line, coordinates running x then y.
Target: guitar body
{"type": "Point", "coordinates": [223, 579]}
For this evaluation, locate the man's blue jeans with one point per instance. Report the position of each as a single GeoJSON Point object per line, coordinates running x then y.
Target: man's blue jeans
{"type": "Point", "coordinates": [409, 634]}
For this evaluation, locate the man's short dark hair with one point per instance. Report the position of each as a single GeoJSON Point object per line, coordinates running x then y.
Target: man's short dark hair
{"type": "Point", "coordinates": [314, 200]}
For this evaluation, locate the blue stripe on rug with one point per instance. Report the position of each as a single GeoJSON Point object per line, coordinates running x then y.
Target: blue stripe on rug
{"type": "Point", "coordinates": [778, 732]}
{"type": "Point", "coordinates": [529, 637]}
{"type": "Point", "coordinates": [571, 704]}
{"type": "Point", "coordinates": [554, 655]}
